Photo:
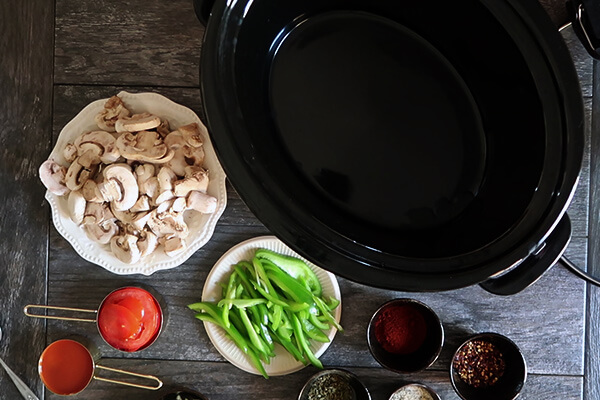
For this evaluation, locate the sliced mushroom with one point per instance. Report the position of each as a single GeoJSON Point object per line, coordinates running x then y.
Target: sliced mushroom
{"type": "Point", "coordinates": [137, 122]}
{"type": "Point", "coordinates": [76, 176]}
{"type": "Point", "coordinates": [70, 152]}
{"type": "Point", "coordinates": [163, 197]}
{"type": "Point", "coordinates": [53, 177]}
{"type": "Point", "coordinates": [193, 133]}
{"type": "Point", "coordinates": [195, 181]}
{"type": "Point", "coordinates": [150, 189]}
{"type": "Point", "coordinates": [143, 172]}
{"type": "Point", "coordinates": [175, 140]}
{"type": "Point", "coordinates": [125, 248]}
{"type": "Point", "coordinates": [167, 224]}
{"type": "Point", "coordinates": [129, 148]}
{"type": "Point", "coordinates": [142, 204]}
{"type": "Point", "coordinates": [165, 206]}
{"type": "Point", "coordinates": [114, 108]}
{"type": "Point", "coordinates": [166, 178]}
{"type": "Point", "coordinates": [91, 192]}
{"type": "Point", "coordinates": [179, 205]}
{"type": "Point", "coordinates": [147, 242]}
{"type": "Point", "coordinates": [201, 202]}
{"type": "Point", "coordinates": [174, 246]}
{"type": "Point", "coordinates": [140, 220]}
{"type": "Point", "coordinates": [89, 158]}
{"type": "Point", "coordinates": [102, 232]}
{"type": "Point", "coordinates": [163, 129]}
{"type": "Point", "coordinates": [76, 204]}
{"type": "Point", "coordinates": [104, 142]}
{"type": "Point", "coordinates": [96, 213]}
{"type": "Point", "coordinates": [120, 174]}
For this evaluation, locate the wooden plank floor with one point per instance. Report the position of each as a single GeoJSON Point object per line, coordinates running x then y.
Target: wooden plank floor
{"type": "Point", "coordinates": [58, 58]}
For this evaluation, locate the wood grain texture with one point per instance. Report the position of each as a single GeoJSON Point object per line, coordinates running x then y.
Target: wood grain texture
{"type": "Point", "coordinates": [26, 31]}
{"type": "Point", "coordinates": [215, 380]}
{"type": "Point", "coordinates": [138, 43]}
{"type": "Point", "coordinates": [592, 364]}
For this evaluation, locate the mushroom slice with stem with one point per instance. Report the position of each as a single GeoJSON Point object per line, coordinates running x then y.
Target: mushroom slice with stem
{"type": "Point", "coordinates": [167, 224]}
{"type": "Point", "coordinates": [101, 232]}
{"type": "Point", "coordinates": [147, 242]}
{"type": "Point", "coordinates": [193, 133]}
{"type": "Point", "coordinates": [70, 152]}
{"type": "Point", "coordinates": [142, 204]}
{"type": "Point", "coordinates": [137, 122]}
{"type": "Point", "coordinates": [76, 175]}
{"type": "Point", "coordinates": [53, 176]}
{"type": "Point", "coordinates": [95, 213]}
{"type": "Point", "coordinates": [125, 248]}
{"type": "Point", "coordinates": [76, 204]}
{"type": "Point", "coordinates": [129, 148]}
{"type": "Point", "coordinates": [103, 141]}
{"type": "Point", "coordinates": [197, 180]}
{"type": "Point", "coordinates": [163, 129]}
{"type": "Point", "coordinates": [140, 220]}
{"type": "Point", "coordinates": [114, 108]}
{"type": "Point", "coordinates": [201, 202]}
{"type": "Point", "coordinates": [91, 192]}
{"type": "Point", "coordinates": [174, 246]}
{"type": "Point", "coordinates": [120, 174]}
{"type": "Point", "coordinates": [179, 205]}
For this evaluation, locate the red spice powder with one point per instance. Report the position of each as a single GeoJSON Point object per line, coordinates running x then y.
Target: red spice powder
{"type": "Point", "coordinates": [400, 329]}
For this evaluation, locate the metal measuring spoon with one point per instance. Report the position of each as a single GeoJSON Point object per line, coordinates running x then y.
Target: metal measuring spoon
{"type": "Point", "coordinates": [25, 391]}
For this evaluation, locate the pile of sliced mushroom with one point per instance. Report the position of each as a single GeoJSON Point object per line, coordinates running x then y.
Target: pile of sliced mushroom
{"type": "Point", "coordinates": [130, 182]}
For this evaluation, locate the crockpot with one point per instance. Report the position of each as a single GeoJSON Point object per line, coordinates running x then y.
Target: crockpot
{"type": "Point", "coordinates": [417, 147]}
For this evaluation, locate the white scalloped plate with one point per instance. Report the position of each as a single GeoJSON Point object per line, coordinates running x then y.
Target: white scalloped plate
{"type": "Point", "coordinates": [201, 226]}
{"type": "Point", "coordinates": [283, 363]}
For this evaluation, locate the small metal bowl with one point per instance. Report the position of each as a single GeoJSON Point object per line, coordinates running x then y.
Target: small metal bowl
{"type": "Point", "coordinates": [360, 391]}
{"type": "Point", "coordinates": [419, 359]}
{"type": "Point", "coordinates": [433, 394]}
{"type": "Point", "coordinates": [508, 386]}
{"type": "Point", "coordinates": [185, 394]}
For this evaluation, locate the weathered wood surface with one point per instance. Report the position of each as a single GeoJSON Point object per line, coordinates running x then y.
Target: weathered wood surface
{"type": "Point", "coordinates": [26, 35]}
{"type": "Point", "coordinates": [101, 48]}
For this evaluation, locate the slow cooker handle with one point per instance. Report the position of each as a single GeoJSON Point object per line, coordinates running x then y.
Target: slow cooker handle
{"type": "Point", "coordinates": [202, 9]}
{"type": "Point", "coordinates": [585, 17]}
{"type": "Point", "coordinates": [534, 266]}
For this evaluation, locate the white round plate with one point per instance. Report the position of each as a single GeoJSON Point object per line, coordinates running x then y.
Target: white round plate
{"type": "Point", "coordinates": [201, 226]}
{"type": "Point", "coordinates": [283, 363]}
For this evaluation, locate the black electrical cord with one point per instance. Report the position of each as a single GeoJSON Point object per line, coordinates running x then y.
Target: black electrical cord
{"type": "Point", "coordinates": [579, 272]}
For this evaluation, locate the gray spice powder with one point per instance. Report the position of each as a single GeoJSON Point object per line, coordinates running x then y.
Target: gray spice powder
{"type": "Point", "coordinates": [411, 393]}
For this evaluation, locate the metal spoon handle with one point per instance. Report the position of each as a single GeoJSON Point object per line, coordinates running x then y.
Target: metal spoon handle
{"type": "Point", "coordinates": [25, 391]}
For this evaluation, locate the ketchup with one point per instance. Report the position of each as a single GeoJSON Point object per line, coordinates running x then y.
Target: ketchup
{"type": "Point", "coordinates": [129, 319]}
{"type": "Point", "coordinates": [66, 367]}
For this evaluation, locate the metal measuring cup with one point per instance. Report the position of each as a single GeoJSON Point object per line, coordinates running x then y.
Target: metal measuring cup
{"type": "Point", "coordinates": [59, 356]}
{"type": "Point", "coordinates": [159, 301]}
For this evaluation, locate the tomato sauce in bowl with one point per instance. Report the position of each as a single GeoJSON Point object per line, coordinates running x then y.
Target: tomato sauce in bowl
{"type": "Point", "coordinates": [66, 367]}
{"type": "Point", "coordinates": [130, 319]}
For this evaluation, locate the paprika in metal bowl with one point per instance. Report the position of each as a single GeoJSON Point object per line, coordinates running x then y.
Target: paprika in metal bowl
{"type": "Point", "coordinates": [405, 335]}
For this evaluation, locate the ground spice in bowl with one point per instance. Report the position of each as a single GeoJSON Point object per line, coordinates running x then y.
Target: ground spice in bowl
{"type": "Point", "coordinates": [479, 363]}
{"type": "Point", "coordinates": [413, 392]}
{"type": "Point", "coordinates": [331, 387]}
{"type": "Point", "coordinates": [400, 329]}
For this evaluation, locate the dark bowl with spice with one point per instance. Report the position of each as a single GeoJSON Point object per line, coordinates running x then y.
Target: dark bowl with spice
{"type": "Point", "coordinates": [405, 335]}
{"type": "Point", "coordinates": [334, 384]}
{"type": "Point", "coordinates": [488, 366]}
{"type": "Point", "coordinates": [414, 391]}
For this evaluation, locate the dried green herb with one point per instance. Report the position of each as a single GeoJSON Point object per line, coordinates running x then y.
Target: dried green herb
{"type": "Point", "coordinates": [331, 387]}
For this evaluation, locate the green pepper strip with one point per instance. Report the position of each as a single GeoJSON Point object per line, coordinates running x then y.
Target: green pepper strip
{"type": "Point", "coordinates": [294, 267]}
{"type": "Point", "coordinates": [261, 276]}
{"type": "Point", "coordinates": [245, 282]}
{"type": "Point", "coordinates": [325, 311]}
{"type": "Point", "coordinates": [316, 322]}
{"type": "Point", "coordinates": [275, 316]}
{"type": "Point", "coordinates": [303, 343]}
{"type": "Point", "coordinates": [241, 303]}
{"type": "Point", "coordinates": [229, 294]}
{"type": "Point", "coordinates": [289, 346]}
{"type": "Point", "coordinates": [254, 338]}
{"type": "Point", "coordinates": [313, 332]}
{"type": "Point", "coordinates": [289, 285]}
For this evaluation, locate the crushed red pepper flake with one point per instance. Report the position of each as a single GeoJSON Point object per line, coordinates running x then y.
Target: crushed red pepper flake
{"type": "Point", "coordinates": [479, 363]}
